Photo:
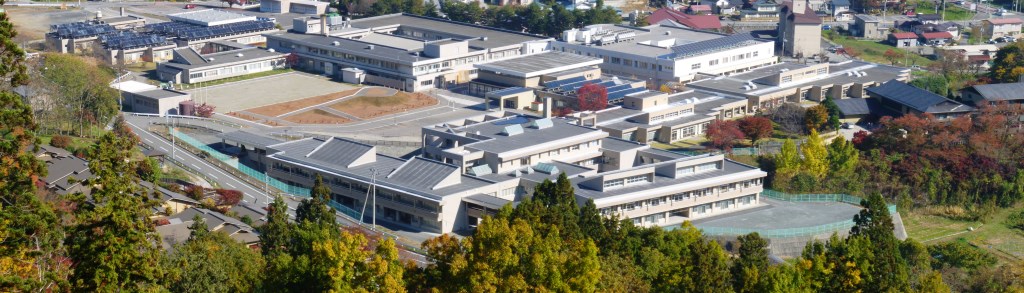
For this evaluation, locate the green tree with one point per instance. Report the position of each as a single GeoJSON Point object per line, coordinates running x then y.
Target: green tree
{"type": "Point", "coordinates": [815, 155]}
{"type": "Point", "coordinates": [749, 270]}
{"type": "Point", "coordinates": [932, 283]}
{"type": "Point", "coordinates": [12, 66]}
{"type": "Point", "coordinates": [213, 262]}
{"type": "Point", "coordinates": [888, 269]}
{"type": "Point", "coordinates": [932, 82]}
{"type": "Point", "coordinates": [81, 93]}
{"type": "Point", "coordinates": [198, 228]}
{"type": "Point", "coordinates": [277, 232]}
{"type": "Point", "coordinates": [833, 113]}
{"type": "Point", "coordinates": [114, 244]}
{"type": "Point", "coordinates": [815, 118]}
{"type": "Point", "coordinates": [842, 156]}
{"type": "Point", "coordinates": [1008, 64]}
{"type": "Point", "coordinates": [788, 159]}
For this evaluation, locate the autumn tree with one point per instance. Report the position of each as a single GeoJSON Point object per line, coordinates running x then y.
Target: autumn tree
{"type": "Point", "coordinates": [816, 117]}
{"type": "Point", "coordinates": [592, 97]}
{"type": "Point", "coordinates": [756, 128]}
{"type": "Point", "coordinates": [814, 155]}
{"type": "Point", "coordinates": [788, 159]}
{"type": "Point", "coordinates": [205, 110]}
{"type": "Point", "coordinates": [114, 245]}
{"type": "Point", "coordinates": [894, 56]}
{"type": "Point", "coordinates": [723, 134]}
{"type": "Point", "coordinates": [211, 261]}
{"type": "Point", "coordinates": [1008, 64]}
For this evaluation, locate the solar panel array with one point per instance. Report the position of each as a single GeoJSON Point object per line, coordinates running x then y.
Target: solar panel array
{"type": "Point", "coordinates": [558, 83]}
{"type": "Point", "coordinates": [619, 95]}
{"type": "Point", "coordinates": [131, 40]}
{"type": "Point", "coordinates": [712, 45]}
{"type": "Point", "coordinates": [79, 30]}
{"type": "Point", "coordinates": [196, 32]}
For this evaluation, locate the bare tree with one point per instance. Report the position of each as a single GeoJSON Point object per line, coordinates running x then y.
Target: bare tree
{"type": "Point", "coordinates": [790, 117]}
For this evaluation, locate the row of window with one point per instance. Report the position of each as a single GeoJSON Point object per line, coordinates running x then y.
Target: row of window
{"type": "Point", "coordinates": [528, 160]}
{"type": "Point", "coordinates": [691, 170]}
{"type": "Point", "coordinates": [628, 181]}
{"type": "Point", "coordinates": [682, 196]}
{"type": "Point", "coordinates": [725, 60]}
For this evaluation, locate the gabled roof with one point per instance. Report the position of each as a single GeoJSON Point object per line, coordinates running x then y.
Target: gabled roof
{"type": "Point", "coordinates": [1011, 20]}
{"type": "Point", "coordinates": [904, 35]}
{"type": "Point", "coordinates": [929, 17]}
{"type": "Point", "coordinates": [855, 107]}
{"type": "Point", "coordinates": [840, 3]}
{"type": "Point", "coordinates": [808, 17]}
{"type": "Point", "coordinates": [917, 99]}
{"type": "Point", "coordinates": [340, 151]}
{"type": "Point", "coordinates": [1000, 92]}
{"type": "Point", "coordinates": [691, 21]}
{"type": "Point", "coordinates": [937, 35]}
{"type": "Point", "coordinates": [423, 173]}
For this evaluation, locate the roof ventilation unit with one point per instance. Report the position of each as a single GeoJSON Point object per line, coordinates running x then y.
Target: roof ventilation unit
{"type": "Point", "coordinates": [336, 43]}
{"type": "Point", "coordinates": [239, 55]}
{"type": "Point", "coordinates": [271, 50]}
{"type": "Point", "coordinates": [370, 47]}
{"type": "Point", "coordinates": [512, 130]}
{"type": "Point", "coordinates": [541, 123]}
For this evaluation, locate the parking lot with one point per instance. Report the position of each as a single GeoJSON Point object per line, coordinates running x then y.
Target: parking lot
{"type": "Point", "coordinates": [264, 91]}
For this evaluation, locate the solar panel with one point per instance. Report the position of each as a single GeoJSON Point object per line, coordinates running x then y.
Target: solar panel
{"type": "Point", "coordinates": [619, 88]}
{"type": "Point", "coordinates": [613, 97]}
{"type": "Point", "coordinates": [558, 83]}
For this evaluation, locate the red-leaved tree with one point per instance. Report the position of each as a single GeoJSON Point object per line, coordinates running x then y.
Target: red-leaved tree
{"type": "Point", "coordinates": [592, 97]}
{"type": "Point", "coordinates": [205, 110]}
{"type": "Point", "coordinates": [723, 134]}
{"type": "Point", "coordinates": [228, 197]}
{"type": "Point", "coordinates": [756, 128]}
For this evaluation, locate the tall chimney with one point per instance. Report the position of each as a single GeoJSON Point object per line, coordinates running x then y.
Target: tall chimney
{"type": "Point", "coordinates": [323, 26]}
{"type": "Point", "coordinates": [547, 107]}
{"type": "Point", "coordinates": [122, 11]}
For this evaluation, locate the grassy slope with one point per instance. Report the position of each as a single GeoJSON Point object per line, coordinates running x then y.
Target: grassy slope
{"type": "Point", "coordinates": [872, 51]}
{"type": "Point", "coordinates": [952, 11]}
{"type": "Point", "coordinates": [990, 234]}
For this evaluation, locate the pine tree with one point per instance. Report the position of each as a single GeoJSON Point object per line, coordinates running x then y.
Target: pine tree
{"type": "Point", "coordinates": [815, 155]}
{"type": "Point", "coordinates": [198, 228]}
{"type": "Point", "coordinates": [315, 209]}
{"type": "Point", "coordinates": [888, 269]}
{"type": "Point", "coordinates": [749, 270]}
{"type": "Point", "coordinates": [114, 244]}
{"type": "Point", "coordinates": [277, 232]}
{"type": "Point", "coordinates": [842, 156]}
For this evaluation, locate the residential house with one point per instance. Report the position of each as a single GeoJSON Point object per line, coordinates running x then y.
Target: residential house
{"type": "Point", "coordinates": [903, 39]}
{"type": "Point", "coordinates": [870, 27]}
{"type": "Point", "coordinates": [761, 10]}
{"type": "Point", "coordinates": [929, 18]}
{"type": "Point", "coordinates": [841, 10]}
{"type": "Point", "coordinates": [177, 230]}
{"type": "Point", "coordinates": [1001, 27]}
{"type": "Point", "coordinates": [699, 9]}
{"type": "Point", "coordinates": [697, 22]}
{"type": "Point", "coordinates": [992, 94]}
{"type": "Point", "coordinates": [937, 38]}
{"type": "Point", "coordinates": [64, 171]}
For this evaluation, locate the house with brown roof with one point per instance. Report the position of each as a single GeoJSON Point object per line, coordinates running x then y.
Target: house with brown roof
{"type": "Point", "coordinates": [1001, 27]}
{"type": "Point", "coordinates": [937, 38]}
{"type": "Point", "coordinates": [698, 22]}
{"type": "Point", "coordinates": [903, 39]}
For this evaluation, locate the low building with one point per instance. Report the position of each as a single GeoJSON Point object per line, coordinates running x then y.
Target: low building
{"type": "Point", "coordinates": [771, 86]}
{"type": "Point", "coordinates": [146, 98]}
{"type": "Point", "coordinates": [697, 22]}
{"type": "Point", "coordinates": [661, 53]}
{"type": "Point", "coordinates": [978, 57]}
{"type": "Point", "coordinates": [294, 6]}
{"type": "Point", "coordinates": [403, 51]}
{"type": "Point", "coordinates": [994, 94]}
{"type": "Point", "coordinates": [1001, 27]}
{"type": "Point", "coordinates": [655, 116]}
{"type": "Point", "coordinates": [929, 18]}
{"type": "Point", "coordinates": [170, 202]}
{"type": "Point", "coordinates": [189, 66]}
{"type": "Point", "coordinates": [937, 38]}
{"type": "Point", "coordinates": [699, 9]}
{"type": "Point", "coordinates": [903, 39]}
{"type": "Point", "coordinates": [177, 230]}
{"type": "Point", "coordinates": [533, 71]}
{"type": "Point", "coordinates": [840, 10]}
{"type": "Point", "coordinates": [870, 27]}
{"type": "Point", "coordinates": [950, 27]}
{"type": "Point", "coordinates": [564, 93]}
{"type": "Point", "coordinates": [64, 171]}
{"type": "Point", "coordinates": [900, 98]}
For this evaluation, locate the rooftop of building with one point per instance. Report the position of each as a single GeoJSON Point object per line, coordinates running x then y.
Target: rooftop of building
{"type": "Point", "coordinates": [937, 35]}
{"type": "Point", "coordinates": [729, 168]}
{"type": "Point", "coordinates": [904, 35]}
{"type": "Point", "coordinates": [177, 231]}
{"type": "Point", "coordinates": [839, 73]}
{"type": "Point", "coordinates": [867, 18]}
{"type": "Point", "coordinates": [492, 136]}
{"type": "Point", "coordinates": [539, 64]}
{"type": "Point", "coordinates": [691, 21]}
{"type": "Point", "coordinates": [999, 91]}
{"type": "Point", "coordinates": [704, 109]}
{"type": "Point", "coordinates": [916, 98]}
{"type": "Point", "coordinates": [385, 52]}
{"type": "Point", "coordinates": [479, 36]}
{"type": "Point", "coordinates": [249, 139]}
{"type": "Point", "coordinates": [857, 106]}
{"type": "Point", "coordinates": [61, 167]}
{"type": "Point", "coordinates": [210, 17]}
{"type": "Point", "coordinates": [191, 59]}
{"type": "Point", "coordinates": [1008, 20]}
{"type": "Point", "coordinates": [158, 94]}
{"type": "Point", "coordinates": [132, 86]}
{"type": "Point", "coordinates": [653, 41]}
{"type": "Point", "coordinates": [115, 20]}
{"type": "Point", "coordinates": [359, 161]}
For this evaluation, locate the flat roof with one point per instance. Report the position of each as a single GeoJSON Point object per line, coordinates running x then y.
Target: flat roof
{"type": "Point", "coordinates": [540, 64]}
{"type": "Point", "coordinates": [121, 19]}
{"type": "Point", "coordinates": [729, 167]}
{"type": "Point", "coordinates": [839, 73]}
{"type": "Point", "coordinates": [160, 94]}
{"type": "Point", "coordinates": [349, 45]}
{"type": "Point", "coordinates": [481, 36]}
{"type": "Point", "coordinates": [210, 17]}
{"type": "Point", "coordinates": [618, 118]}
{"type": "Point", "coordinates": [249, 138]}
{"type": "Point", "coordinates": [494, 141]}
{"type": "Point", "coordinates": [663, 40]}
{"type": "Point", "coordinates": [393, 41]}
{"type": "Point", "coordinates": [132, 86]}
{"type": "Point", "coordinates": [782, 215]}
{"type": "Point", "coordinates": [221, 58]}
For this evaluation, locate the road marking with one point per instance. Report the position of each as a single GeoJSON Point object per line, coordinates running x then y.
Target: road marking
{"type": "Point", "coordinates": [214, 176]}
{"type": "Point", "coordinates": [165, 149]}
{"type": "Point", "coordinates": [229, 184]}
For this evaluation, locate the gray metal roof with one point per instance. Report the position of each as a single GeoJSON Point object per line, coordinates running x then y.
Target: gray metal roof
{"type": "Point", "coordinates": [838, 74]}
{"type": "Point", "coordinates": [222, 58]}
{"type": "Point", "coordinates": [339, 151]}
{"type": "Point", "coordinates": [1000, 91]}
{"type": "Point", "coordinates": [533, 65]}
{"type": "Point", "coordinates": [916, 98]}
{"type": "Point", "coordinates": [509, 91]}
{"type": "Point", "coordinates": [714, 45]}
{"type": "Point", "coordinates": [249, 138]}
{"type": "Point", "coordinates": [189, 56]}
{"type": "Point", "coordinates": [160, 94]}
{"type": "Point", "coordinates": [350, 46]}
{"type": "Point", "coordinates": [728, 168]}
{"type": "Point", "coordinates": [620, 145]}
{"type": "Point", "coordinates": [500, 143]}
{"type": "Point", "coordinates": [422, 173]}
{"type": "Point", "coordinates": [491, 202]}
{"type": "Point", "coordinates": [857, 107]}
{"type": "Point", "coordinates": [494, 37]}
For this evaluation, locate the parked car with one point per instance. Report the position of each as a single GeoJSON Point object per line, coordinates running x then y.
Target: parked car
{"type": "Point", "coordinates": [826, 27]}
{"type": "Point", "coordinates": [1009, 39]}
{"type": "Point", "coordinates": [190, 6]}
{"type": "Point", "coordinates": [846, 126]}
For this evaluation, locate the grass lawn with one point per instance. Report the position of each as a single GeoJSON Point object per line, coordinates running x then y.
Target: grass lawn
{"type": "Point", "coordinates": [238, 78]}
{"type": "Point", "coordinates": [991, 234]}
{"type": "Point", "coordinates": [952, 11]}
{"type": "Point", "coordinates": [872, 51]}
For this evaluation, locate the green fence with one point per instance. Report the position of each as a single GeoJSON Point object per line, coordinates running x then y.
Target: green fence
{"type": "Point", "coordinates": [256, 174]}
{"type": "Point", "coordinates": [823, 229]}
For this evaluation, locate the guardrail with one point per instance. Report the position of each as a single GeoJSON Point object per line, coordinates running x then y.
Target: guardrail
{"type": "Point", "coordinates": [799, 231]}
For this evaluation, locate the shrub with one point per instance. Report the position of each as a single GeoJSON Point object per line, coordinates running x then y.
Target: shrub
{"type": "Point", "coordinates": [953, 213]}
{"type": "Point", "coordinates": [195, 192]}
{"type": "Point", "coordinates": [1015, 220]}
{"type": "Point", "coordinates": [960, 254]}
{"type": "Point", "coordinates": [60, 141]}
{"type": "Point", "coordinates": [228, 197]}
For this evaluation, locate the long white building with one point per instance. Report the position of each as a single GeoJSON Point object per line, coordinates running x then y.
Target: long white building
{"type": "Point", "coordinates": [664, 53]}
